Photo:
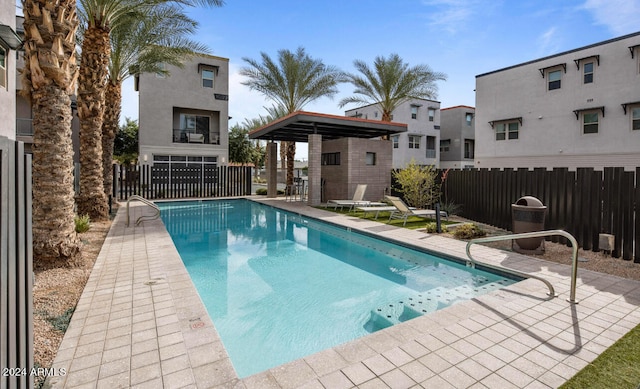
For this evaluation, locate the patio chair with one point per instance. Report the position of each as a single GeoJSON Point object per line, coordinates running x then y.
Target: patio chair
{"type": "Point", "coordinates": [358, 197]}
{"type": "Point", "coordinates": [403, 211]}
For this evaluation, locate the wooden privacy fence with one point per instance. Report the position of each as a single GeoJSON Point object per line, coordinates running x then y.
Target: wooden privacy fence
{"type": "Point", "coordinates": [584, 202]}
{"type": "Point", "coordinates": [16, 268]}
{"type": "Point", "coordinates": [163, 182]}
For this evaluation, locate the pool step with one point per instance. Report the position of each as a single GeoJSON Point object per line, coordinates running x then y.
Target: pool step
{"type": "Point", "coordinates": [419, 304]}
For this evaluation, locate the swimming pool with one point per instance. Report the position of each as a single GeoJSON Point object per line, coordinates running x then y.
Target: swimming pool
{"type": "Point", "coordinates": [279, 286]}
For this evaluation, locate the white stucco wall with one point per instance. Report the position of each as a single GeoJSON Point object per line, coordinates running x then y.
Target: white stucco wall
{"type": "Point", "coordinates": [420, 126]}
{"type": "Point", "coordinates": [550, 135]}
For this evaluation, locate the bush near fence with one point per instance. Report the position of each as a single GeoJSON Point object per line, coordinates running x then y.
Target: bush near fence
{"type": "Point", "coordinates": [585, 202]}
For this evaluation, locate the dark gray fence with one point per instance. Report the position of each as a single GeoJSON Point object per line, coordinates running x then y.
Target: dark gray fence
{"type": "Point", "coordinates": [16, 268]}
{"type": "Point", "coordinates": [584, 202]}
{"type": "Point", "coordinates": [153, 182]}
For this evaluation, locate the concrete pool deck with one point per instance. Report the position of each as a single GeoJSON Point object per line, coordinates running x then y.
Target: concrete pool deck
{"type": "Point", "coordinates": [140, 323]}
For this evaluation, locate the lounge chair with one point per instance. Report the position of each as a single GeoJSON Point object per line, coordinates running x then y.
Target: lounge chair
{"type": "Point", "coordinates": [357, 200]}
{"type": "Point", "coordinates": [402, 211]}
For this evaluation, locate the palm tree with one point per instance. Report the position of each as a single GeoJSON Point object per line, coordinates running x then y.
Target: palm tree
{"type": "Point", "coordinates": [142, 45]}
{"type": "Point", "coordinates": [275, 112]}
{"type": "Point", "coordinates": [390, 83]}
{"type": "Point", "coordinates": [48, 80]}
{"type": "Point", "coordinates": [292, 82]}
{"type": "Point", "coordinates": [101, 17]}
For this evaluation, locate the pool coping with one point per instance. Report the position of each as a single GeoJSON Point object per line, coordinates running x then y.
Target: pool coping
{"type": "Point", "coordinates": [140, 323]}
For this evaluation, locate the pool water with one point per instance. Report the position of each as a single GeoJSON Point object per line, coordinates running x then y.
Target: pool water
{"type": "Point", "coordinates": [279, 286]}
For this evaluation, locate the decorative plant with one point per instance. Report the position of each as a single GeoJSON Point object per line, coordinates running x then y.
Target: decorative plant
{"type": "Point", "coordinates": [418, 184]}
{"type": "Point", "coordinates": [469, 231]}
{"type": "Point", "coordinates": [82, 223]}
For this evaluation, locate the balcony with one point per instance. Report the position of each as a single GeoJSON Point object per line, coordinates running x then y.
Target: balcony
{"type": "Point", "coordinates": [190, 135]}
{"type": "Point", "coordinates": [24, 127]}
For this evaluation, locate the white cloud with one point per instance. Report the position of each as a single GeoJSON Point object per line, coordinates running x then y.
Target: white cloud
{"type": "Point", "coordinates": [453, 15]}
{"type": "Point", "coordinates": [619, 16]}
{"type": "Point", "coordinates": [548, 42]}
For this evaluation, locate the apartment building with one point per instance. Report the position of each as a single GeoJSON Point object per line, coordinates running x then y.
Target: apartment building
{"type": "Point", "coordinates": [579, 108]}
{"type": "Point", "coordinates": [422, 138]}
{"type": "Point", "coordinates": [457, 137]}
{"type": "Point", "coordinates": [184, 115]}
{"type": "Point", "coordinates": [10, 42]}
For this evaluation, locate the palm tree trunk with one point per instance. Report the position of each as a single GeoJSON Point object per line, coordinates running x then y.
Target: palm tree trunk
{"type": "Point", "coordinates": [91, 94]}
{"type": "Point", "coordinates": [291, 153]}
{"type": "Point", "coordinates": [283, 155]}
{"type": "Point", "coordinates": [113, 101]}
{"type": "Point", "coordinates": [49, 78]}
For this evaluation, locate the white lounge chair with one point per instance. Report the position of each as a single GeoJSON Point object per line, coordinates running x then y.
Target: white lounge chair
{"type": "Point", "coordinates": [403, 211]}
{"type": "Point", "coordinates": [357, 200]}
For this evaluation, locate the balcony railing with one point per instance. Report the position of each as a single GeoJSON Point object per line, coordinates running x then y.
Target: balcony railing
{"type": "Point", "coordinates": [431, 153]}
{"type": "Point", "coordinates": [190, 135]}
{"type": "Point", "coordinates": [24, 127]}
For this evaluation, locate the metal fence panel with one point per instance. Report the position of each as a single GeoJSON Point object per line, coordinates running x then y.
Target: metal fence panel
{"type": "Point", "coordinates": [16, 269]}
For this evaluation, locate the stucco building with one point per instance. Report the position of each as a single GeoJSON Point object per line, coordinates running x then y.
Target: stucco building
{"type": "Point", "coordinates": [9, 43]}
{"type": "Point", "coordinates": [579, 108]}
{"type": "Point", "coordinates": [184, 116]}
{"type": "Point", "coordinates": [457, 137]}
{"type": "Point", "coordinates": [422, 138]}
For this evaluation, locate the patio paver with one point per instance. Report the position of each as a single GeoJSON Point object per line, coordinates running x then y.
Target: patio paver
{"type": "Point", "coordinates": [140, 322]}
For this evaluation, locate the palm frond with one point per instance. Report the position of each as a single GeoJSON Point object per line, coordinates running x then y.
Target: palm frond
{"type": "Point", "coordinates": [390, 82]}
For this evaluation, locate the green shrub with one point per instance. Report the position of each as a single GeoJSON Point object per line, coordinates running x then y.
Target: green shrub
{"type": "Point", "coordinates": [432, 228]}
{"type": "Point", "coordinates": [418, 184]}
{"type": "Point", "coordinates": [82, 223]}
{"type": "Point", "coordinates": [61, 323]}
{"type": "Point", "coordinates": [469, 231]}
{"type": "Point", "coordinates": [263, 191]}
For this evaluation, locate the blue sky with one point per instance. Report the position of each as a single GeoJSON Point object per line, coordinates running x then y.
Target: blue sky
{"type": "Point", "coordinates": [462, 38]}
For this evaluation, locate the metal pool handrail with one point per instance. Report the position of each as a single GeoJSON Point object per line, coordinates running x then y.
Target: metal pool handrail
{"type": "Point", "coordinates": [536, 234]}
{"type": "Point", "coordinates": [143, 217]}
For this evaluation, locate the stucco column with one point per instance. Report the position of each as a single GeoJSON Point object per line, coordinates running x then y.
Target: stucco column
{"type": "Point", "coordinates": [272, 170]}
{"type": "Point", "coordinates": [315, 152]}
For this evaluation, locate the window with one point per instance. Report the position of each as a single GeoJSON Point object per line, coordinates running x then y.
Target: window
{"type": "Point", "coordinates": [207, 78]}
{"type": "Point", "coordinates": [587, 70]}
{"type": "Point", "coordinates": [330, 159]}
{"type": "Point", "coordinates": [375, 114]}
{"type": "Point", "coordinates": [445, 145]}
{"type": "Point", "coordinates": [635, 118]}
{"type": "Point", "coordinates": [414, 142]}
{"type": "Point", "coordinates": [370, 158]}
{"type": "Point", "coordinates": [469, 148]}
{"type": "Point", "coordinates": [193, 129]}
{"type": "Point", "coordinates": [431, 147]}
{"type": "Point", "coordinates": [590, 122]}
{"type": "Point", "coordinates": [414, 112]}
{"type": "Point", "coordinates": [554, 78]}
{"type": "Point", "coordinates": [468, 117]}
{"type": "Point", "coordinates": [3, 67]}
{"type": "Point", "coordinates": [507, 131]}
{"type": "Point", "coordinates": [395, 140]}
{"type": "Point", "coordinates": [432, 114]}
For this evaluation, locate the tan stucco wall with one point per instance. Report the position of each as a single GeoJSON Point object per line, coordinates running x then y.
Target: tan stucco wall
{"type": "Point", "coordinates": [341, 180]}
{"type": "Point", "coordinates": [161, 100]}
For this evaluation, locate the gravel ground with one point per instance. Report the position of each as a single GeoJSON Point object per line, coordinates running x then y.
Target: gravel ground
{"type": "Point", "coordinates": [56, 291]}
